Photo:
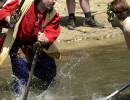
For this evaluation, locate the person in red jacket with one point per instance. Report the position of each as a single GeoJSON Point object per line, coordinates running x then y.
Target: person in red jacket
{"type": "Point", "coordinates": [28, 33]}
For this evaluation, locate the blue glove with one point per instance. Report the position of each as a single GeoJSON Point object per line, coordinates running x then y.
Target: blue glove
{"type": "Point", "coordinates": [10, 25]}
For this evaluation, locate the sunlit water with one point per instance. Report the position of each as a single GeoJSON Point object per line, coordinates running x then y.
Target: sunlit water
{"type": "Point", "coordinates": [81, 75]}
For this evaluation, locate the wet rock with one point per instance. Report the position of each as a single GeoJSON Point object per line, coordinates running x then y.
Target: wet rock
{"type": "Point", "coordinates": [108, 36]}
{"type": "Point", "coordinates": [58, 41]}
{"type": "Point", "coordinates": [79, 39]}
{"type": "Point", "coordinates": [85, 37]}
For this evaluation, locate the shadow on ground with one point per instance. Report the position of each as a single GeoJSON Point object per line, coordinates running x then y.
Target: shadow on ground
{"type": "Point", "coordinates": [64, 21]}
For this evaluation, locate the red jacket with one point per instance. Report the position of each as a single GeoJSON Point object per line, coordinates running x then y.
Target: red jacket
{"type": "Point", "coordinates": [25, 32]}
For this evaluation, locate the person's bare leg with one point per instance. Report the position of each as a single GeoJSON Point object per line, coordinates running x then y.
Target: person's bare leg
{"type": "Point", "coordinates": [89, 20]}
{"type": "Point", "coordinates": [71, 12]}
{"type": "Point", "coordinates": [85, 5]}
{"type": "Point", "coordinates": [70, 6]}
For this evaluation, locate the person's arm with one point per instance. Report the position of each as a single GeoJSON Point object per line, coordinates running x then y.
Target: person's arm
{"type": "Point", "coordinates": [127, 32]}
{"type": "Point", "coordinates": [51, 31]}
{"type": "Point", "coordinates": [5, 12]}
{"type": "Point", "coordinates": [127, 38]}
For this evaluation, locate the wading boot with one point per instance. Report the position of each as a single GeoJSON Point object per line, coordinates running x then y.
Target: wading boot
{"type": "Point", "coordinates": [90, 22]}
{"type": "Point", "coordinates": [71, 24]}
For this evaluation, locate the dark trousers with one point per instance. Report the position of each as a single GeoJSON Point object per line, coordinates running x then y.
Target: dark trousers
{"type": "Point", "coordinates": [45, 69]}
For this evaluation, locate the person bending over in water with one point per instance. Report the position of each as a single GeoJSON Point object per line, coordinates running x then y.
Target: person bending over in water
{"type": "Point", "coordinates": [29, 32]}
{"type": "Point", "coordinates": [119, 15]}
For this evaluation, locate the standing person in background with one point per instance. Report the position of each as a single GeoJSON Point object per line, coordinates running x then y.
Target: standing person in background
{"type": "Point", "coordinates": [119, 16]}
{"type": "Point", "coordinates": [89, 20]}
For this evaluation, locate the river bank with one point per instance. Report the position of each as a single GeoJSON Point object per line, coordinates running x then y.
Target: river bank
{"type": "Point", "coordinates": [87, 37]}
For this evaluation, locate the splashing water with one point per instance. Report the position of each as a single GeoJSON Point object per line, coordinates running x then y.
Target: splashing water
{"type": "Point", "coordinates": [60, 89]}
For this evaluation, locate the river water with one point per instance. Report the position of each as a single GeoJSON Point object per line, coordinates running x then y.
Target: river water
{"type": "Point", "coordinates": [81, 75]}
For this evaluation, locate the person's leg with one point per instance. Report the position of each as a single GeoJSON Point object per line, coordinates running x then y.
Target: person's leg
{"type": "Point", "coordinates": [85, 7]}
{"type": "Point", "coordinates": [71, 12]}
{"type": "Point", "coordinates": [46, 69]}
{"type": "Point", "coordinates": [89, 19]}
{"type": "Point", "coordinates": [70, 6]}
{"type": "Point", "coordinates": [20, 70]}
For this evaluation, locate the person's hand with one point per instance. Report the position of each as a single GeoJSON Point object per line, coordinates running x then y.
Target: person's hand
{"type": "Point", "coordinates": [43, 39]}
{"type": "Point", "coordinates": [9, 25]}
{"type": "Point", "coordinates": [7, 19]}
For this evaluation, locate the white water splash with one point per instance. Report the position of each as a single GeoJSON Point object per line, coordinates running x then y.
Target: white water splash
{"type": "Point", "coordinates": [97, 96]}
{"type": "Point", "coordinates": [62, 88]}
